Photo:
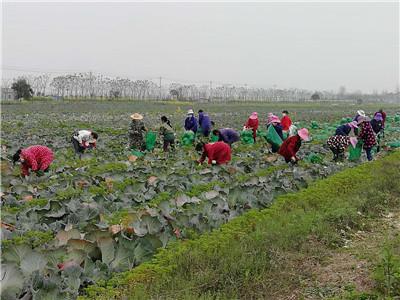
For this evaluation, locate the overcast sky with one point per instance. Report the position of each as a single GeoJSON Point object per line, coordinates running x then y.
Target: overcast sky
{"type": "Point", "coordinates": [306, 45]}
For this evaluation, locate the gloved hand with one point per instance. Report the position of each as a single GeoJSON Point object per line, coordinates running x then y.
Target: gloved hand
{"type": "Point", "coordinates": [214, 162]}
{"type": "Point", "coordinates": [293, 159]}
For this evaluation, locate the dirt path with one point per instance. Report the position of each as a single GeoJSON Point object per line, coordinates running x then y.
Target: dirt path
{"type": "Point", "coordinates": [349, 268]}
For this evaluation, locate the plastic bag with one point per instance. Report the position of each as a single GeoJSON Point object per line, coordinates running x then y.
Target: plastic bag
{"type": "Point", "coordinates": [246, 136]}
{"type": "Point", "coordinates": [150, 140]}
{"type": "Point", "coordinates": [314, 158]}
{"type": "Point", "coordinates": [137, 153]}
{"type": "Point", "coordinates": [214, 138]}
{"type": "Point", "coordinates": [273, 137]}
{"type": "Point", "coordinates": [355, 152]}
{"type": "Point", "coordinates": [292, 130]}
{"type": "Point", "coordinates": [394, 144]}
{"type": "Point", "coordinates": [187, 138]}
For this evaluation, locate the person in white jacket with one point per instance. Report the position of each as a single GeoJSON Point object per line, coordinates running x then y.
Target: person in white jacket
{"type": "Point", "coordinates": [84, 139]}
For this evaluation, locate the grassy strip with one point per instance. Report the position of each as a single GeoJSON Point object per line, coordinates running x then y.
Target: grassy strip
{"type": "Point", "coordinates": [244, 257]}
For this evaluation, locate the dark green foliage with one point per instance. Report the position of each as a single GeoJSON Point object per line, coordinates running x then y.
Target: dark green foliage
{"type": "Point", "coordinates": [22, 89]}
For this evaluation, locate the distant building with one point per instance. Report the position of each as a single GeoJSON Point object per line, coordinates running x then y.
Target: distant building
{"type": "Point", "coordinates": [8, 94]}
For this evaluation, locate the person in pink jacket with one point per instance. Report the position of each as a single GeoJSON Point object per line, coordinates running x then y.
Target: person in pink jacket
{"type": "Point", "coordinates": [34, 158]}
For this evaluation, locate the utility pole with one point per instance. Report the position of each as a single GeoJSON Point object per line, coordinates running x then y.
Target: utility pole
{"type": "Point", "coordinates": [160, 89]}
{"type": "Point", "coordinates": [210, 91]}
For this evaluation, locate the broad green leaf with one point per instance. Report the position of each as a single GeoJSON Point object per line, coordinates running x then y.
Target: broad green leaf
{"type": "Point", "coordinates": [64, 236]}
{"type": "Point", "coordinates": [12, 281]}
{"type": "Point", "coordinates": [107, 249]}
{"type": "Point", "coordinates": [33, 262]}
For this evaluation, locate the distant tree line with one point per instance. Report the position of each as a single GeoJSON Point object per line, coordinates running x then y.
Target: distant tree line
{"type": "Point", "coordinates": [89, 85]}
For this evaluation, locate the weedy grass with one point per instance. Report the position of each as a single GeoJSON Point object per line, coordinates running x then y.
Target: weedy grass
{"type": "Point", "coordinates": [260, 254]}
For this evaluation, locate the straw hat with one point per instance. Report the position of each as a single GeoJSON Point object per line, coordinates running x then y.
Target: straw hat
{"type": "Point", "coordinates": [136, 116]}
{"type": "Point", "coordinates": [190, 112]}
{"type": "Point", "coordinates": [303, 134]}
{"type": "Point", "coordinates": [361, 113]}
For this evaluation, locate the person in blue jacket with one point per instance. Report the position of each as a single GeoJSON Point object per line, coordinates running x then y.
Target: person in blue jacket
{"type": "Point", "coordinates": [345, 129]}
{"type": "Point", "coordinates": [204, 123]}
{"type": "Point", "coordinates": [191, 121]}
{"type": "Point", "coordinates": [227, 135]}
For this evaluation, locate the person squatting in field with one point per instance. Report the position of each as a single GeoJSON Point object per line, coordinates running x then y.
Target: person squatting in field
{"type": "Point", "coordinates": [204, 123]}
{"type": "Point", "coordinates": [217, 153]}
{"type": "Point", "coordinates": [276, 123]}
{"type": "Point", "coordinates": [34, 158]}
{"type": "Point", "coordinates": [84, 139]}
{"type": "Point", "coordinates": [291, 145]}
{"type": "Point", "coordinates": [191, 121]}
{"type": "Point", "coordinates": [252, 123]}
{"type": "Point", "coordinates": [136, 132]}
{"type": "Point", "coordinates": [339, 142]}
{"type": "Point", "coordinates": [167, 133]}
{"type": "Point", "coordinates": [367, 136]}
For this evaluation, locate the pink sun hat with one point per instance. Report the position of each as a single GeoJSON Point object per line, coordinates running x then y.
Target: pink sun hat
{"type": "Point", "coordinates": [274, 119]}
{"type": "Point", "coordinates": [353, 124]}
{"type": "Point", "coordinates": [303, 134]}
{"type": "Point", "coordinates": [254, 116]}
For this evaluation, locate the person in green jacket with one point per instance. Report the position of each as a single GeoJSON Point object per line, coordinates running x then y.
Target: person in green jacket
{"type": "Point", "coordinates": [167, 132]}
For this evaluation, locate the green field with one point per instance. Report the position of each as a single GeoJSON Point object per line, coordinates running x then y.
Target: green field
{"type": "Point", "coordinates": [90, 219]}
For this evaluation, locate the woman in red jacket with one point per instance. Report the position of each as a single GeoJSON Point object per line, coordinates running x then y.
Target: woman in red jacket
{"type": "Point", "coordinates": [291, 145]}
{"type": "Point", "coordinates": [252, 123]}
{"type": "Point", "coordinates": [36, 158]}
{"type": "Point", "coordinates": [286, 122]}
{"type": "Point", "coordinates": [217, 153]}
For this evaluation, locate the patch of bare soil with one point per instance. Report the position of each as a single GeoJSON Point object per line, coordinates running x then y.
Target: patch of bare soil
{"type": "Point", "coordinates": [350, 266]}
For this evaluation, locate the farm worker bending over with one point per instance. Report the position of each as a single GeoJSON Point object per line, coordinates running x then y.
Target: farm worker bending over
{"type": "Point", "coordinates": [167, 133]}
{"type": "Point", "coordinates": [276, 123]}
{"type": "Point", "coordinates": [345, 129]}
{"type": "Point", "coordinates": [136, 131]}
{"type": "Point", "coordinates": [84, 139]}
{"type": "Point", "coordinates": [252, 123]}
{"type": "Point", "coordinates": [217, 153]}
{"type": "Point", "coordinates": [341, 140]}
{"type": "Point", "coordinates": [377, 123]}
{"type": "Point", "coordinates": [227, 135]}
{"type": "Point", "coordinates": [286, 122]}
{"type": "Point", "coordinates": [383, 114]}
{"type": "Point", "coordinates": [367, 135]}
{"type": "Point", "coordinates": [292, 144]}
{"type": "Point", "coordinates": [378, 127]}
{"type": "Point", "coordinates": [191, 121]}
{"type": "Point", "coordinates": [269, 116]}
{"type": "Point", "coordinates": [204, 123]}
{"type": "Point", "coordinates": [36, 158]}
